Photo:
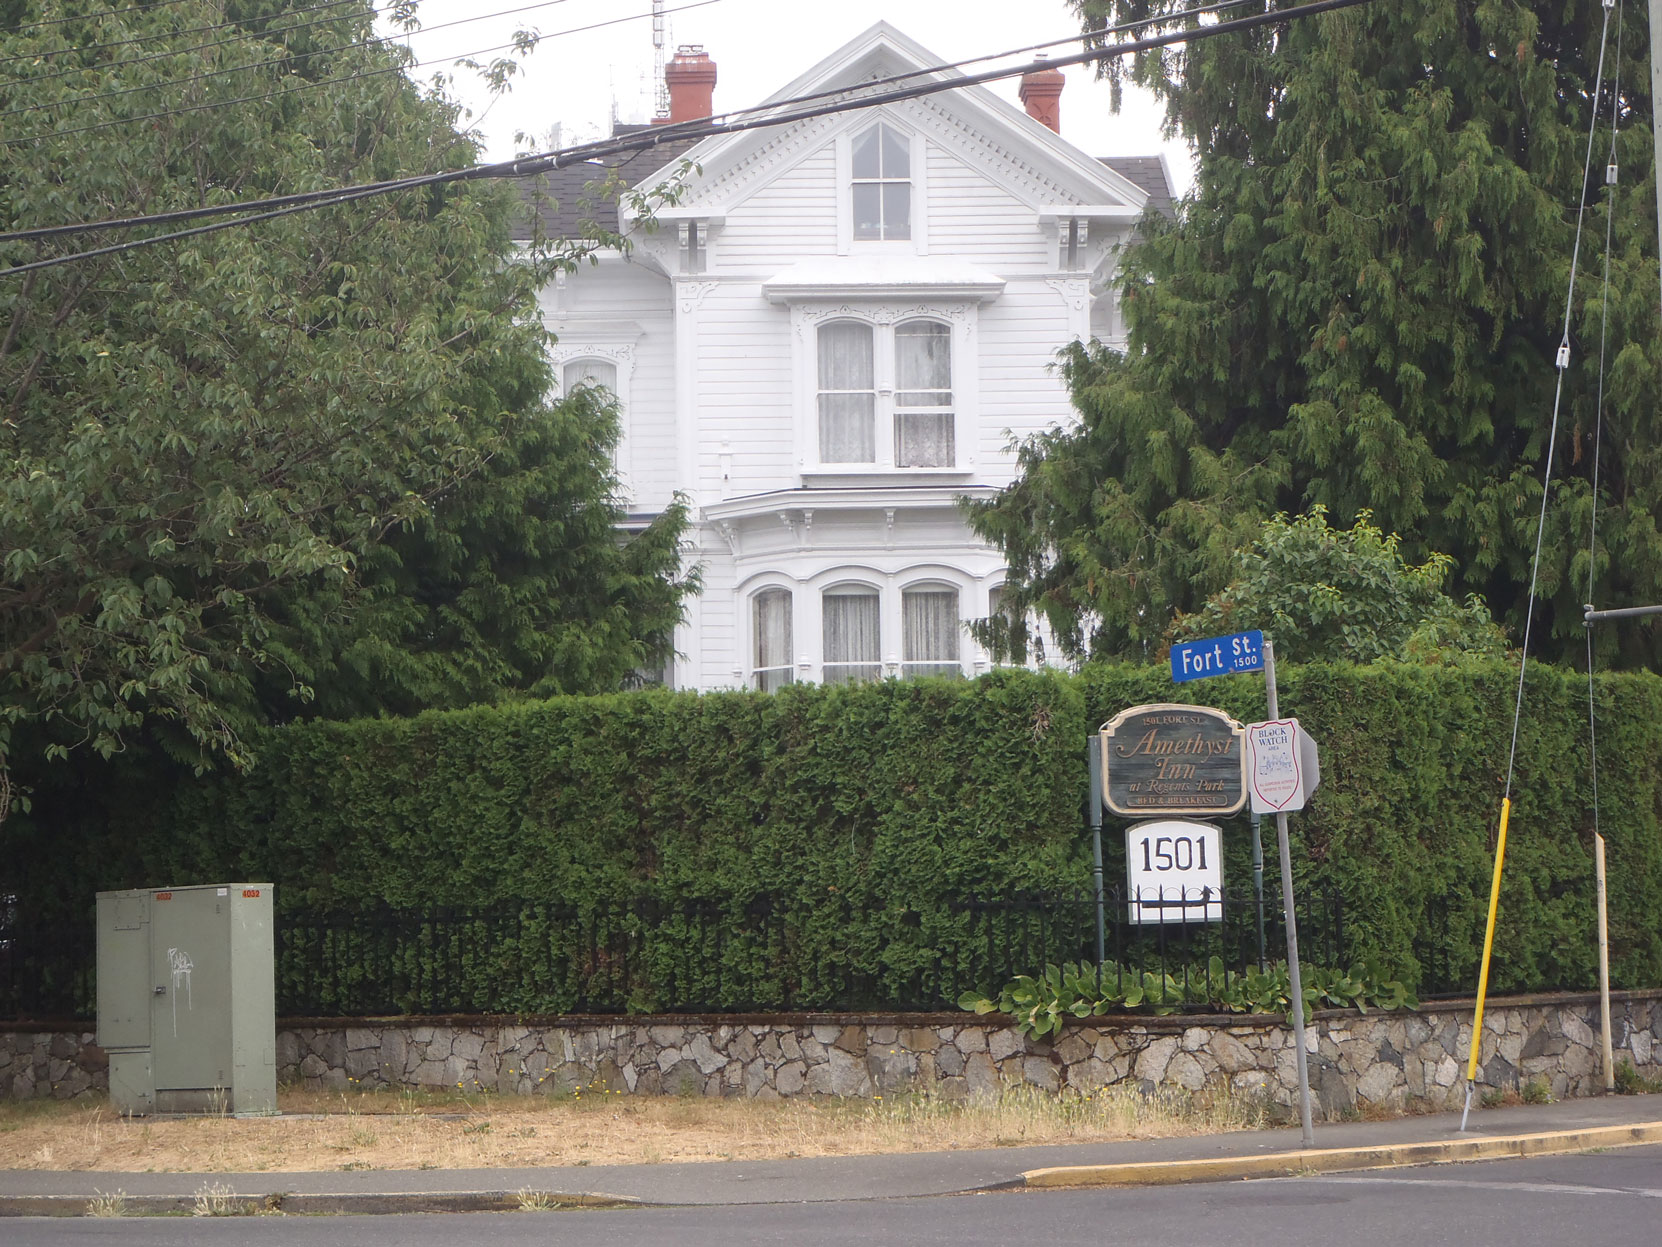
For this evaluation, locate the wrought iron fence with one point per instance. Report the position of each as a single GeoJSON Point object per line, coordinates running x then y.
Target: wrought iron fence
{"type": "Point", "coordinates": [723, 954]}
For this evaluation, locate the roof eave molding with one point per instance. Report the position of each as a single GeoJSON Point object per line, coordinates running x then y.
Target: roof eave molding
{"type": "Point", "coordinates": [1096, 182]}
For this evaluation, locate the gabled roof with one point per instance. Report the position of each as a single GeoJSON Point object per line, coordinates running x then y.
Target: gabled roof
{"type": "Point", "coordinates": [1051, 168]}
{"type": "Point", "coordinates": [1061, 170]}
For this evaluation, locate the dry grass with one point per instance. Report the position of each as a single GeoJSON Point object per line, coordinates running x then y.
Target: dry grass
{"type": "Point", "coordinates": [387, 1130]}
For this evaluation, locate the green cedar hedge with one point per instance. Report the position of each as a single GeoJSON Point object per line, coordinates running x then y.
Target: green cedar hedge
{"type": "Point", "coordinates": [866, 811]}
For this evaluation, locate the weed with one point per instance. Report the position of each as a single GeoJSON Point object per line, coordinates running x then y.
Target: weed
{"type": "Point", "coordinates": [113, 1204]}
{"type": "Point", "coordinates": [535, 1201]}
{"type": "Point", "coordinates": [1630, 1081]}
{"type": "Point", "coordinates": [1537, 1091]}
{"type": "Point", "coordinates": [362, 1136]}
{"type": "Point", "coordinates": [477, 1127]}
{"type": "Point", "coordinates": [216, 1200]}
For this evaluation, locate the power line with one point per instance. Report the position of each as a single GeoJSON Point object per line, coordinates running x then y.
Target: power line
{"type": "Point", "coordinates": [267, 35]}
{"type": "Point", "coordinates": [599, 148]}
{"type": "Point", "coordinates": [97, 45]}
{"type": "Point", "coordinates": [324, 82]}
{"type": "Point", "coordinates": [237, 69]}
{"type": "Point", "coordinates": [87, 17]}
{"type": "Point", "coordinates": [769, 116]}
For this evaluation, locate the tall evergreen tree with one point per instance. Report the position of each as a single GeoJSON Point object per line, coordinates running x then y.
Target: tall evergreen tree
{"type": "Point", "coordinates": [1360, 306]}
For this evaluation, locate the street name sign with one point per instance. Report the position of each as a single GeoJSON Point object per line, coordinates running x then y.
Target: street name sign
{"type": "Point", "coordinates": [1219, 655]}
{"type": "Point", "coordinates": [1283, 767]}
{"type": "Point", "coordinates": [1174, 872]}
{"type": "Point", "coordinates": [1172, 760]}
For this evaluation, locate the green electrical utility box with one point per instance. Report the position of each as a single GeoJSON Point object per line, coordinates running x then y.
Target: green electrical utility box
{"type": "Point", "coordinates": [186, 999]}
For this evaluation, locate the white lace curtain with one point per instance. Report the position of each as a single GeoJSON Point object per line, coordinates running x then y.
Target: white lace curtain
{"type": "Point", "coordinates": [589, 372]}
{"type": "Point", "coordinates": [923, 395]}
{"type": "Point", "coordinates": [847, 394]}
{"type": "Point", "coordinates": [853, 642]}
{"type": "Point", "coordinates": [773, 639]}
{"type": "Point", "coordinates": [929, 632]}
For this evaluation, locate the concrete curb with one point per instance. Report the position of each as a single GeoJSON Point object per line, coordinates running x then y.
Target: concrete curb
{"type": "Point", "coordinates": [1333, 1160]}
{"type": "Point", "coordinates": [342, 1203]}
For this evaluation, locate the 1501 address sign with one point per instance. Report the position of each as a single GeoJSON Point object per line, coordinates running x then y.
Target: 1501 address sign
{"type": "Point", "coordinates": [1174, 871]}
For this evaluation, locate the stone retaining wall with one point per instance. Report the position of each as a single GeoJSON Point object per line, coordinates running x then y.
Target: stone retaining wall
{"type": "Point", "coordinates": [1355, 1060]}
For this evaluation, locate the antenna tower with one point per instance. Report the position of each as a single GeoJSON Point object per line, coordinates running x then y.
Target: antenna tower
{"type": "Point", "coordinates": [659, 40]}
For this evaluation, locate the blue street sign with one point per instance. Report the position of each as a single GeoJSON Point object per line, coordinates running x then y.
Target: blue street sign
{"type": "Point", "coordinates": [1219, 655]}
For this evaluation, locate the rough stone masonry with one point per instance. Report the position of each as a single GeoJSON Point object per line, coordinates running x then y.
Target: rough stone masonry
{"type": "Point", "coordinates": [1356, 1060]}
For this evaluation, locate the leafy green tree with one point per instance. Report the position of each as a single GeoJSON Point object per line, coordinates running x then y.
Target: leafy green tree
{"type": "Point", "coordinates": [1327, 593]}
{"type": "Point", "coordinates": [307, 457]}
{"type": "Point", "coordinates": [1360, 306]}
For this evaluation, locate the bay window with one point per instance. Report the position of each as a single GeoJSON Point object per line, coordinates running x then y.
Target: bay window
{"type": "Point", "coordinates": [930, 631]}
{"type": "Point", "coordinates": [772, 623]}
{"type": "Point", "coordinates": [853, 638]}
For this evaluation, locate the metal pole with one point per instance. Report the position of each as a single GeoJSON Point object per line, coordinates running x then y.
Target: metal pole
{"type": "Point", "coordinates": [1094, 758]}
{"type": "Point", "coordinates": [1258, 884]}
{"type": "Point", "coordinates": [1589, 615]}
{"type": "Point", "coordinates": [1296, 981]}
{"type": "Point", "coordinates": [1604, 966]}
{"type": "Point", "coordinates": [1656, 114]}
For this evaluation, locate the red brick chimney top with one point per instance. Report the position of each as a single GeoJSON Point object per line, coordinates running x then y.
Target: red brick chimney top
{"type": "Point", "coordinates": [691, 78]}
{"type": "Point", "coordinates": [1041, 92]}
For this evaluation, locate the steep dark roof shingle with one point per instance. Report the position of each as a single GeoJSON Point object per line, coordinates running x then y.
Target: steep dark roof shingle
{"type": "Point", "coordinates": [1148, 172]}
{"type": "Point", "coordinates": [557, 200]}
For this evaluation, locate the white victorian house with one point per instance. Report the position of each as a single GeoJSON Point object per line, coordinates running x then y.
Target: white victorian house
{"type": "Point", "coordinates": [833, 337]}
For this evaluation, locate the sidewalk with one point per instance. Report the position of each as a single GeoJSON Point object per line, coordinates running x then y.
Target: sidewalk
{"type": "Point", "coordinates": [1575, 1125]}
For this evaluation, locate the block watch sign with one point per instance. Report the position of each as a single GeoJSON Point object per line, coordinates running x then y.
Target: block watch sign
{"type": "Point", "coordinates": [1282, 766]}
{"type": "Point", "coordinates": [1172, 760]}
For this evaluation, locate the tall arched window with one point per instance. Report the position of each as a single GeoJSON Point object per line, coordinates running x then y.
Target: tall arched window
{"type": "Point", "coordinates": [599, 372]}
{"type": "Point", "coordinates": [847, 393]}
{"type": "Point", "coordinates": [923, 395]}
{"type": "Point", "coordinates": [930, 635]}
{"type": "Point", "coordinates": [853, 636]}
{"type": "Point", "coordinates": [772, 622]}
{"type": "Point", "coordinates": [882, 185]}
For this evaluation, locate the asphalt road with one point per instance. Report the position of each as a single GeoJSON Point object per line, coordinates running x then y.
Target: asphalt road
{"type": "Point", "coordinates": [1608, 1198]}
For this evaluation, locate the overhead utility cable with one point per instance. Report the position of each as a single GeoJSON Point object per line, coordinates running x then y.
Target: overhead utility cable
{"type": "Point", "coordinates": [100, 45]}
{"type": "Point", "coordinates": [776, 114]}
{"type": "Point", "coordinates": [87, 17]}
{"type": "Point", "coordinates": [312, 84]}
{"type": "Point", "coordinates": [1562, 363]}
{"type": "Point", "coordinates": [76, 100]}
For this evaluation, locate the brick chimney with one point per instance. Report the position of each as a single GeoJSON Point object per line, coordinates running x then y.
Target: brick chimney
{"type": "Point", "coordinates": [1041, 92]}
{"type": "Point", "coordinates": [691, 78]}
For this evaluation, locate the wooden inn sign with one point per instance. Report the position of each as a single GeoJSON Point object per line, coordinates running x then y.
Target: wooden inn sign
{"type": "Point", "coordinates": [1173, 760]}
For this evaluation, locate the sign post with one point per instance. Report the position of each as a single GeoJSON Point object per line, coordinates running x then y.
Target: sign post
{"type": "Point", "coordinates": [1285, 786]}
{"type": "Point", "coordinates": [1295, 981]}
{"type": "Point", "coordinates": [1093, 757]}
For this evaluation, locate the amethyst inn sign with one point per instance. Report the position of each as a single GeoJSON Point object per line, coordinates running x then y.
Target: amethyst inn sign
{"type": "Point", "coordinates": [1173, 760]}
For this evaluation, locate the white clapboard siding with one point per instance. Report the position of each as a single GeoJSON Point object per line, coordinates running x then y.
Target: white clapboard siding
{"type": "Point", "coordinates": [972, 216]}
{"type": "Point", "coordinates": [792, 215]}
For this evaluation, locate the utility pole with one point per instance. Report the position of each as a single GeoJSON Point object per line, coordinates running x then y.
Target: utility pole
{"type": "Point", "coordinates": [1656, 123]}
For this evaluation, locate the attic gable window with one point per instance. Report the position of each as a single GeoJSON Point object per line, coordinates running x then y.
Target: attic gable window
{"type": "Point", "coordinates": [882, 185]}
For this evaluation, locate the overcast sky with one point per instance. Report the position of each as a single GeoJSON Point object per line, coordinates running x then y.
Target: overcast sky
{"type": "Point", "coordinates": [577, 79]}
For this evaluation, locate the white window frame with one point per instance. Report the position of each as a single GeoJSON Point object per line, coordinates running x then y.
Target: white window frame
{"type": "Point", "coordinates": [909, 666]}
{"type": "Point", "coordinates": [846, 586]}
{"type": "Point", "coordinates": [570, 349]}
{"type": "Point", "coordinates": [960, 316]}
{"type": "Point", "coordinates": [753, 603]}
{"type": "Point", "coordinates": [918, 167]}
